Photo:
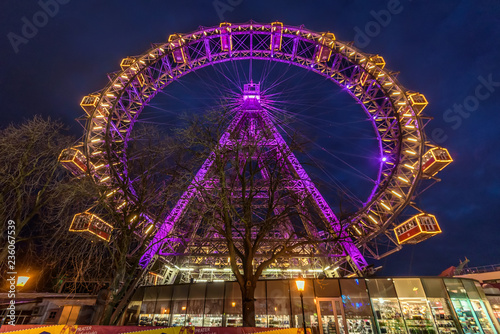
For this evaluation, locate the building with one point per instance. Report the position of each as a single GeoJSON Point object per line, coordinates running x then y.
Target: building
{"type": "Point", "coordinates": [48, 308]}
{"type": "Point", "coordinates": [488, 277]}
{"type": "Point", "coordinates": [409, 305]}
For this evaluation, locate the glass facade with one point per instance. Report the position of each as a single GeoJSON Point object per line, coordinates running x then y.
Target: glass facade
{"type": "Point", "coordinates": [440, 305]}
{"type": "Point", "coordinates": [357, 306]}
{"type": "Point", "coordinates": [414, 306]}
{"type": "Point", "coordinates": [495, 306]}
{"type": "Point", "coordinates": [386, 307]}
{"type": "Point", "coordinates": [196, 305]}
{"type": "Point", "coordinates": [331, 306]}
{"type": "Point", "coordinates": [214, 305]}
{"type": "Point", "coordinates": [179, 304]}
{"type": "Point", "coordinates": [278, 303]}
{"type": "Point", "coordinates": [233, 305]}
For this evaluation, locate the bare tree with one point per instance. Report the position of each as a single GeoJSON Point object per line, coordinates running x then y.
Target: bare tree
{"type": "Point", "coordinates": [36, 192]}
{"type": "Point", "coordinates": [152, 172]}
{"type": "Point", "coordinates": [30, 176]}
{"type": "Point", "coordinates": [251, 204]}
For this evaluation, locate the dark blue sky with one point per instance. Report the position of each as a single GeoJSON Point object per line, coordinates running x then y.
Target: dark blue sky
{"type": "Point", "coordinates": [447, 50]}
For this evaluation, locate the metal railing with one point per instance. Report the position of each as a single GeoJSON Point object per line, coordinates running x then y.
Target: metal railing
{"type": "Point", "coordinates": [477, 270]}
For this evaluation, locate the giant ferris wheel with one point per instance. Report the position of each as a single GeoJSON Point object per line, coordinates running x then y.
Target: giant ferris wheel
{"type": "Point", "coordinates": [405, 159]}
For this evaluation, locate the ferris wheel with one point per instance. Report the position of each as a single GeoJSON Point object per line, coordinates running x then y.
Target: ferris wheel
{"type": "Point", "coordinates": [405, 157]}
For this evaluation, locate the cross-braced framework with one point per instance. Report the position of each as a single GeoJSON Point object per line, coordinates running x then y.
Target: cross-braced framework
{"type": "Point", "coordinates": [396, 114]}
{"type": "Point", "coordinates": [252, 130]}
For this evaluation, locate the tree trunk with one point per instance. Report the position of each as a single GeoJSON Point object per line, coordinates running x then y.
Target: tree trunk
{"type": "Point", "coordinates": [108, 311]}
{"type": "Point", "coordinates": [123, 303]}
{"type": "Point", "coordinates": [248, 293]}
{"type": "Point", "coordinates": [115, 291]}
{"type": "Point", "coordinates": [118, 301]}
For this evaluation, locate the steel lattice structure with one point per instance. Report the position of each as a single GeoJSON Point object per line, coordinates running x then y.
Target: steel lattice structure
{"type": "Point", "coordinates": [395, 112]}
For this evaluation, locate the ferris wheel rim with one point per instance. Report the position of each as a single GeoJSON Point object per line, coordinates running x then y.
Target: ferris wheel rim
{"type": "Point", "coordinates": [374, 206]}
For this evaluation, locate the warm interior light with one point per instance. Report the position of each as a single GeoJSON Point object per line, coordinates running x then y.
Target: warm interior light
{"type": "Point", "coordinates": [184, 308]}
{"type": "Point", "coordinates": [233, 304]}
{"type": "Point", "coordinates": [149, 228]}
{"type": "Point", "coordinates": [21, 280]}
{"type": "Point", "coordinates": [300, 284]}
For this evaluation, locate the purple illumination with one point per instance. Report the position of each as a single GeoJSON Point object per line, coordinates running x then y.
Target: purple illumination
{"type": "Point", "coordinates": [302, 185]}
{"type": "Point", "coordinates": [161, 66]}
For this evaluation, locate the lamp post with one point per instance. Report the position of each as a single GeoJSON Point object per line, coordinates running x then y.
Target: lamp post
{"type": "Point", "coordinates": [22, 280]}
{"type": "Point", "coordinates": [300, 287]}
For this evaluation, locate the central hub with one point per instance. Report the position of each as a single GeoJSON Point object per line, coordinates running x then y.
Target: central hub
{"type": "Point", "coordinates": [251, 91]}
{"type": "Point", "coordinates": [251, 96]}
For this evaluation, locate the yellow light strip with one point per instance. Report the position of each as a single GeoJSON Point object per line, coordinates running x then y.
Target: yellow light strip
{"type": "Point", "coordinates": [110, 193]}
{"type": "Point", "coordinates": [397, 194]}
{"type": "Point", "coordinates": [403, 179]}
{"type": "Point", "coordinates": [385, 206]}
{"type": "Point", "coordinates": [373, 219]}
{"type": "Point", "coordinates": [356, 229]}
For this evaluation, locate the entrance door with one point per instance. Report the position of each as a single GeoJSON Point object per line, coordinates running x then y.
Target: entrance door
{"type": "Point", "coordinates": [331, 316]}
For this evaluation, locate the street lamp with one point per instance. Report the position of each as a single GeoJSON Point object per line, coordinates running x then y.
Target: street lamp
{"type": "Point", "coordinates": [21, 280]}
{"type": "Point", "coordinates": [300, 287]}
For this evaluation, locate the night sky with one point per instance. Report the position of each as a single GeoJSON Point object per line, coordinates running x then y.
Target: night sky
{"type": "Point", "coordinates": [447, 50]}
